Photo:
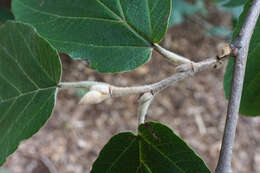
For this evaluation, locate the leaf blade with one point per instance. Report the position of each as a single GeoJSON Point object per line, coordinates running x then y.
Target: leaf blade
{"type": "Point", "coordinates": [98, 27]}
{"type": "Point", "coordinates": [30, 71]}
{"type": "Point", "coordinates": [150, 151]}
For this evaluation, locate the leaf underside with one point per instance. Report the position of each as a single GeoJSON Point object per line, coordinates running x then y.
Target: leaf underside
{"type": "Point", "coordinates": [114, 35]}
{"type": "Point", "coordinates": [29, 72]}
{"type": "Point", "coordinates": [155, 149]}
{"type": "Point", "coordinates": [250, 101]}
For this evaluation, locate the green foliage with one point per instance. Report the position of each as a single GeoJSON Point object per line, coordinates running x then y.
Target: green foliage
{"type": "Point", "coordinates": [250, 103]}
{"type": "Point", "coordinates": [182, 9]}
{"type": "Point", "coordinates": [113, 35]}
{"type": "Point", "coordinates": [30, 70]}
{"type": "Point", "coordinates": [116, 33]}
{"type": "Point", "coordinates": [5, 15]}
{"type": "Point", "coordinates": [155, 149]}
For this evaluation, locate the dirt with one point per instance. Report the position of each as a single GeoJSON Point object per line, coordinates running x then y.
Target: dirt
{"type": "Point", "coordinates": [194, 108]}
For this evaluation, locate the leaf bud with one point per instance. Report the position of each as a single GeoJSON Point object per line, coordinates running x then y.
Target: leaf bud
{"type": "Point", "coordinates": [96, 94]}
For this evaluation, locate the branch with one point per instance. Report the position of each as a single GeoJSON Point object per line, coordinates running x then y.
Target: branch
{"type": "Point", "coordinates": [242, 45]}
{"type": "Point", "coordinates": [170, 56]}
{"type": "Point", "coordinates": [99, 91]}
{"type": "Point", "coordinates": [143, 106]}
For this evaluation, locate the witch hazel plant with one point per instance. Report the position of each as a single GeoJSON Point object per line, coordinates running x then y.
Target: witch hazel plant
{"type": "Point", "coordinates": [116, 36]}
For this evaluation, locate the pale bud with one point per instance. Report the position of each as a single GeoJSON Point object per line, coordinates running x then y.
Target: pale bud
{"type": "Point", "coordinates": [104, 89]}
{"type": "Point", "coordinates": [224, 50]}
{"type": "Point", "coordinates": [96, 94]}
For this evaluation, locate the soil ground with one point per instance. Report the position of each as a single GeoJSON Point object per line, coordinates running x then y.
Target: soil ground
{"type": "Point", "coordinates": [195, 109]}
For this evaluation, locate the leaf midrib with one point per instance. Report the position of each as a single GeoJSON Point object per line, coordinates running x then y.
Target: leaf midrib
{"type": "Point", "coordinates": [158, 150]}
{"type": "Point", "coordinates": [27, 93]}
{"type": "Point", "coordinates": [140, 159]}
{"type": "Point", "coordinates": [124, 21]}
{"type": "Point", "coordinates": [122, 153]}
{"type": "Point", "coordinates": [96, 46]}
{"type": "Point", "coordinates": [149, 15]}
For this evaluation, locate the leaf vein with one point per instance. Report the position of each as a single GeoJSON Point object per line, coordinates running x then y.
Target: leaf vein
{"type": "Point", "coordinates": [149, 16]}
{"type": "Point", "coordinates": [10, 83]}
{"type": "Point", "coordinates": [121, 9]}
{"type": "Point", "coordinates": [162, 154]}
{"type": "Point", "coordinates": [23, 94]}
{"type": "Point", "coordinates": [122, 153]}
{"type": "Point", "coordinates": [3, 116]}
{"type": "Point", "coordinates": [97, 46]}
{"type": "Point", "coordinates": [34, 58]}
{"type": "Point", "coordinates": [40, 109]}
{"type": "Point", "coordinates": [17, 118]}
{"type": "Point", "coordinates": [110, 10]}
{"type": "Point", "coordinates": [68, 17]}
{"type": "Point", "coordinates": [13, 58]}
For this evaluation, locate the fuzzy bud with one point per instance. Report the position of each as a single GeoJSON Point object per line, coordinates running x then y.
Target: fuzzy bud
{"type": "Point", "coordinates": [104, 89]}
{"type": "Point", "coordinates": [96, 94]}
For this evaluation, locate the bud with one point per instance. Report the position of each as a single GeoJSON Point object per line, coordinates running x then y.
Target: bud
{"type": "Point", "coordinates": [96, 94]}
{"type": "Point", "coordinates": [104, 89]}
{"type": "Point", "coordinates": [224, 50]}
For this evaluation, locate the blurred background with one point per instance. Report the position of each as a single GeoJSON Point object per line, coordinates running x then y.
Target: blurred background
{"type": "Point", "coordinates": [195, 108]}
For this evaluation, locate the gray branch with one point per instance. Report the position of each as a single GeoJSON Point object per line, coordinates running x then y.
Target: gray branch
{"type": "Point", "coordinates": [102, 91]}
{"type": "Point", "coordinates": [242, 45]}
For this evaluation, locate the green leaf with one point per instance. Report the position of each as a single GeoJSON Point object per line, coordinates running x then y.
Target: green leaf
{"type": "Point", "coordinates": [5, 15]}
{"type": "Point", "coordinates": [30, 70]}
{"type": "Point", "coordinates": [250, 103]}
{"type": "Point", "coordinates": [155, 149]}
{"type": "Point", "coordinates": [114, 35]}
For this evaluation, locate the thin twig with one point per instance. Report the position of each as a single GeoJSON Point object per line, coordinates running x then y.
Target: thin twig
{"type": "Point", "coordinates": [170, 56]}
{"type": "Point", "coordinates": [98, 91]}
{"type": "Point", "coordinates": [81, 84]}
{"type": "Point", "coordinates": [242, 45]}
{"type": "Point", "coordinates": [106, 90]}
{"type": "Point", "coordinates": [143, 106]}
